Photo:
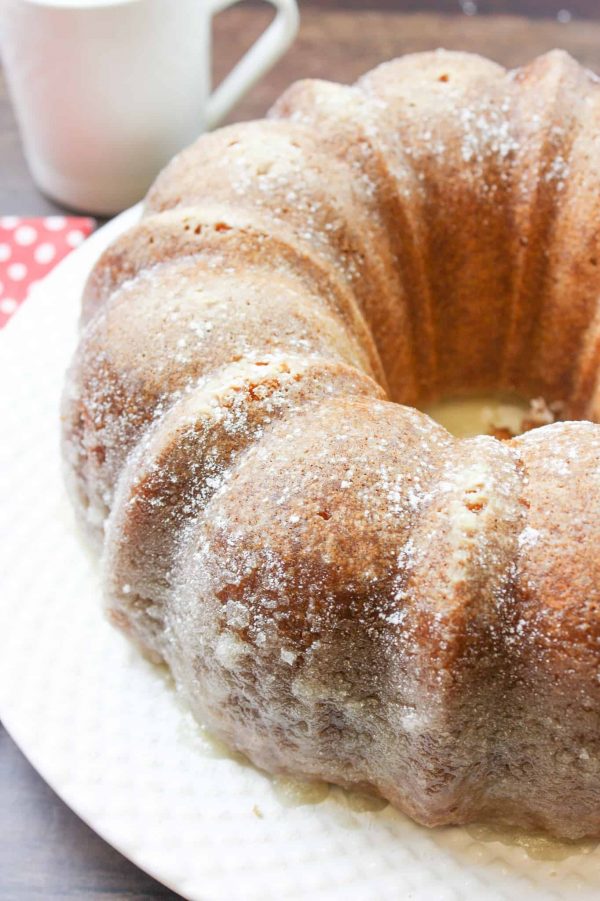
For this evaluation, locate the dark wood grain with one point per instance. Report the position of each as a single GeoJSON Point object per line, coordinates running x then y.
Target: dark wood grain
{"type": "Point", "coordinates": [339, 45]}
{"type": "Point", "coordinates": [343, 45]}
{"type": "Point", "coordinates": [546, 9]}
{"type": "Point", "coordinates": [46, 852]}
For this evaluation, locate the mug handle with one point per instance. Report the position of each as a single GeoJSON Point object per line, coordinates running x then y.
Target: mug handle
{"type": "Point", "coordinates": [263, 54]}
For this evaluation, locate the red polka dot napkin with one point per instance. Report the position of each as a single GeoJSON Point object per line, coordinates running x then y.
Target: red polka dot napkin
{"type": "Point", "coordinates": [29, 249]}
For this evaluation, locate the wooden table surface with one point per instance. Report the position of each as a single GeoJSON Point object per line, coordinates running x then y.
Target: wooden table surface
{"type": "Point", "coordinates": [46, 852]}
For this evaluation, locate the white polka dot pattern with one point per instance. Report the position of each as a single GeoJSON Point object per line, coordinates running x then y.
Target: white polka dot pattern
{"type": "Point", "coordinates": [17, 272]}
{"type": "Point", "coordinates": [9, 222]}
{"type": "Point", "coordinates": [105, 729]}
{"type": "Point", "coordinates": [44, 253]}
{"type": "Point", "coordinates": [55, 223]}
{"type": "Point", "coordinates": [75, 237]}
{"type": "Point", "coordinates": [28, 250]}
{"type": "Point", "coordinates": [25, 234]}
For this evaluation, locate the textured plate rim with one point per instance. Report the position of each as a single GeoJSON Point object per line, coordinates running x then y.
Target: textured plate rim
{"type": "Point", "coordinates": [68, 277]}
{"type": "Point", "coordinates": [67, 269]}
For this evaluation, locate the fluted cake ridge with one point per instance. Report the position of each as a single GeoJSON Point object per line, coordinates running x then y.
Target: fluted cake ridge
{"type": "Point", "coordinates": [342, 589]}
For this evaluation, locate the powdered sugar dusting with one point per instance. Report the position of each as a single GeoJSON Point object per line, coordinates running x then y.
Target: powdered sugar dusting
{"type": "Point", "coordinates": [343, 590]}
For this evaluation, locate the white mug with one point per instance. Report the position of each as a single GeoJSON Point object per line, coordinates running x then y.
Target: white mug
{"type": "Point", "coordinates": [106, 91]}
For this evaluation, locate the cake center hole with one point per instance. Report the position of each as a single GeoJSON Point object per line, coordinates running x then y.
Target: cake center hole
{"type": "Point", "coordinates": [501, 415]}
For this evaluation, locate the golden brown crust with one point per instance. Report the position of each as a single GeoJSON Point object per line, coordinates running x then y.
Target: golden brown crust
{"type": "Point", "coordinates": [343, 590]}
{"type": "Point", "coordinates": [186, 458]}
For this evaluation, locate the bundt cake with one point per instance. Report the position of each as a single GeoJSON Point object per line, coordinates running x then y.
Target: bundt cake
{"type": "Point", "coordinates": [341, 588]}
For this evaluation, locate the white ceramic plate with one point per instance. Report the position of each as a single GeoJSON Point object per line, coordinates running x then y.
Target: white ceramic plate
{"type": "Point", "coordinates": [104, 727]}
